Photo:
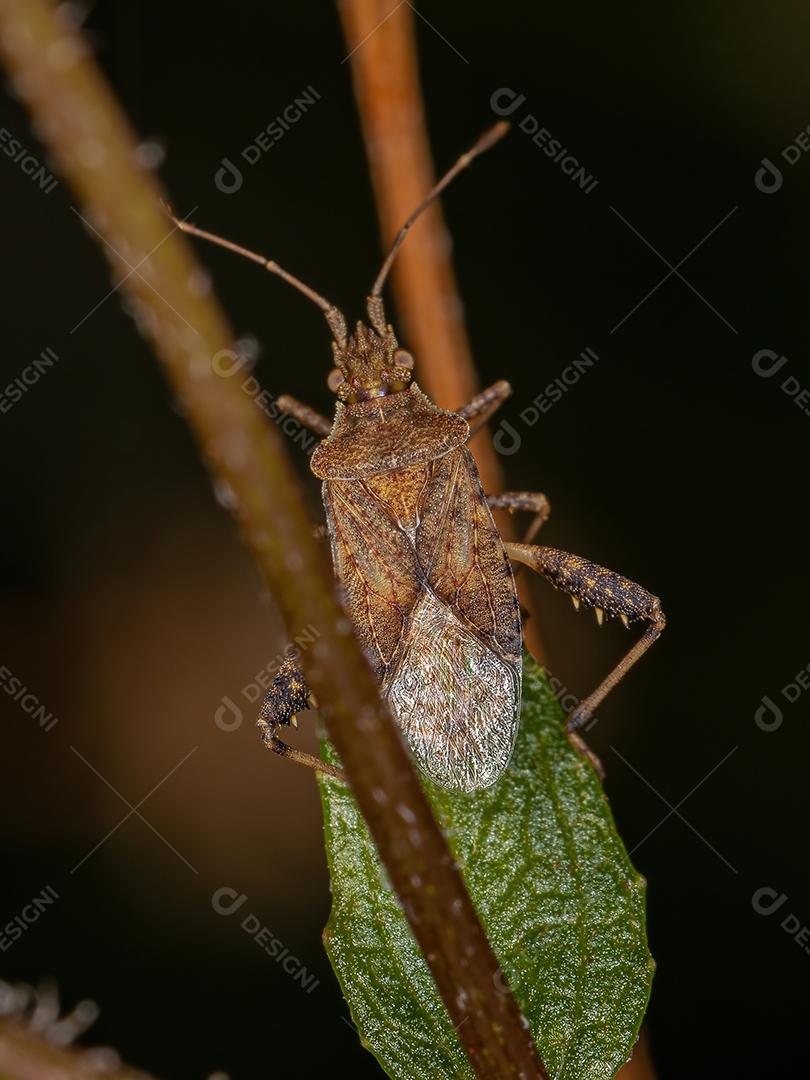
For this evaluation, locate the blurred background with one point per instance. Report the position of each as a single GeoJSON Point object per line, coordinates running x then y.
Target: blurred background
{"type": "Point", "coordinates": [136, 631]}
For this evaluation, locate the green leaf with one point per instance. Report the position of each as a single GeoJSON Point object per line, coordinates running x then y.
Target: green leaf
{"type": "Point", "coordinates": [555, 890]}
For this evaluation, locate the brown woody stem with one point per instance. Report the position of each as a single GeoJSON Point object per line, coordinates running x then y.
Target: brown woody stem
{"type": "Point", "coordinates": [94, 147]}
{"type": "Point", "coordinates": [382, 51]}
{"type": "Point", "coordinates": [381, 48]}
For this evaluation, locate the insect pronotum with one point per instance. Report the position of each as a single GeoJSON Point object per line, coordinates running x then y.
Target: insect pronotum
{"type": "Point", "coordinates": [426, 578]}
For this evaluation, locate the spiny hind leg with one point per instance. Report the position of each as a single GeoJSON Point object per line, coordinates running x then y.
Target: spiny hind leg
{"type": "Point", "coordinates": [608, 593]}
{"type": "Point", "coordinates": [515, 501]}
{"type": "Point", "coordinates": [486, 403]}
{"type": "Point", "coordinates": [305, 416]}
{"type": "Point", "coordinates": [289, 695]}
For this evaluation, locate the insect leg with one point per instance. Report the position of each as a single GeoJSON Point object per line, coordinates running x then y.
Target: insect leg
{"type": "Point", "coordinates": [606, 592]}
{"type": "Point", "coordinates": [306, 416]}
{"type": "Point", "coordinates": [288, 695]}
{"type": "Point", "coordinates": [533, 501]}
{"type": "Point", "coordinates": [483, 405]}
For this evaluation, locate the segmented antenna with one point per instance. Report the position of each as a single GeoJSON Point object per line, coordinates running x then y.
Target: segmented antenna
{"type": "Point", "coordinates": [335, 319]}
{"type": "Point", "coordinates": [488, 139]}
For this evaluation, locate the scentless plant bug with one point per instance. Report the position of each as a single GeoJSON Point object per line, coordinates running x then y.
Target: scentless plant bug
{"type": "Point", "coordinates": [426, 578]}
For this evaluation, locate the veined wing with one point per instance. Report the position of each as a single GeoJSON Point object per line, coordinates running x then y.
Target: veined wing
{"type": "Point", "coordinates": [456, 699]}
{"type": "Point", "coordinates": [439, 620]}
{"type": "Point", "coordinates": [376, 564]}
{"type": "Point", "coordinates": [456, 687]}
{"type": "Point", "coordinates": [462, 555]}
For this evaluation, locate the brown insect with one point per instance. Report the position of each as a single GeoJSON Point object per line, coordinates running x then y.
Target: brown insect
{"type": "Point", "coordinates": [426, 578]}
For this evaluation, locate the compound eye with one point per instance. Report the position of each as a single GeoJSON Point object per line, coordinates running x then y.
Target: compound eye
{"type": "Point", "coordinates": [336, 379]}
{"type": "Point", "coordinates": [403, 359]}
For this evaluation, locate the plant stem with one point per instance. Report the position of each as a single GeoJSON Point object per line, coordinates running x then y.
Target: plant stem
{"type": "Point", "coordinates": [381, 43]}
{"type": "Point", "coordinates": [77, 116]}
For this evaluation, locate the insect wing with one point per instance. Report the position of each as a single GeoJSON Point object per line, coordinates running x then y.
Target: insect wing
{"type": "Point", "coordinates": [462, 555]}
{"type": "Point", "coordinates": [457, 688]}
{"type": "Point", "coordinates": [457, 700]}
{"type": "Point", "coordinates": [437, 613]}
{"type": "Point", "coordinates": [376, 564]}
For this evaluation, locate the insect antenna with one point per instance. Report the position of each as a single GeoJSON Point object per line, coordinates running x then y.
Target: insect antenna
{"type": "Point", "coordinates": [335, 319]}
{"type": "Point", "coordinates": [487, 140]}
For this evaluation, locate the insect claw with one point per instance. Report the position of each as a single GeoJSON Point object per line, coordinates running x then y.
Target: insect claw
{"type": "Point", "coordinates": [575, 602]}
{"type": "Point", "coordinates": [294, 722]}
{"type": "Point", "coordinates": [625, 620]}
{"type": "Point", "coordinates": [600, 615]}
{"type": "Point", "coordinates": [313, 701]}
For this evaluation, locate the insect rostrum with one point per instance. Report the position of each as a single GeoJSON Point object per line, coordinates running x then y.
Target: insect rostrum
{"type": "Point", "coordinates": [425, 575]}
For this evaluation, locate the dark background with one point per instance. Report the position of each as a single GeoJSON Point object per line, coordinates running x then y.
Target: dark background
{"type": "Point", "coordinates": [130, 608]}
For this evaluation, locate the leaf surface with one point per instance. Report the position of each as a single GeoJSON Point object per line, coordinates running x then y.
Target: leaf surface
{"type": "Point", "coordinates": [555, 890]}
